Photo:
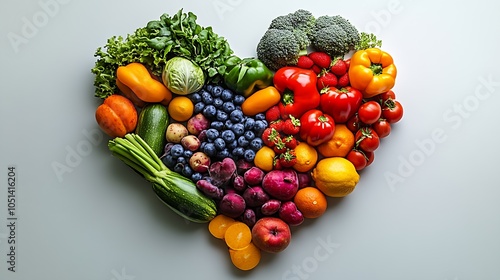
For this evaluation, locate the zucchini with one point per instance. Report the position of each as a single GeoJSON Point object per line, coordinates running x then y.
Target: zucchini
{"type": "Point", "coordinates": [182, 196]}
{"type": "Point", "coordinates": [152, 126]}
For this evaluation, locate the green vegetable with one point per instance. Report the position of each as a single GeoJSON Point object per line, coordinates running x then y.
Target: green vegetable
{"type": "Point", "coordinates": [286, 39]}
{"type": "Point", "coordinates": [182, 76]}
{"type": "Point", "coordinates": [246, 76]}
{"type": "Point", "coordinates": [334, 35]}
{"type": "Point", "coordinates": [176, 191]}
{"type": "Point", "coordinates": [157, 42]}
{"type": "Point", "coordinates": [152, 126]}
{"type": "Point", "coordinates": [368, 41]}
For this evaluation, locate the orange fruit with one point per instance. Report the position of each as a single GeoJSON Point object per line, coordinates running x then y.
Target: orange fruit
{"type": "Point", "coordinates": [181, 108]}
{"type": "Point", "coordinates": [340, 144]}
{"type": "Point", "coordinates": [218, 225]}
{"type": "Point", "coordinates": [246, 258]}
{"type": "Point", "coordinates": [306, 156]}
{"type": "Point", "coordinates": [264, 158]}
{"type": "Point", "coordinates": [311, 202]}
{"type": "Point", "coordinates": [238, 236]}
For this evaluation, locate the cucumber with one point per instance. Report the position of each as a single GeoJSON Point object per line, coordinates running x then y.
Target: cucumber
{"type": "Point", "coordinates": [152, 126]}
{"type": "Point", "coordinates": [181, 195]}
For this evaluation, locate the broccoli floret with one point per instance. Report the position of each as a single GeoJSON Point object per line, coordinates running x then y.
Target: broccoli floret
{"type": "Point", "coordinates": [299, 22]}
{"type": "Point", "coordinates": [279, 48]}
{"type": "Point", "coordinates": [334, 35]}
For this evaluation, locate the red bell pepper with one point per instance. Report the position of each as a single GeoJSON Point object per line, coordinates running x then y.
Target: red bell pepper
{"type": "Point", "coordinates": [316, 127]}
{"type": "Point", "coordinates": [342, 103]}
{"type": "Point", "coordinates": [298, 91]}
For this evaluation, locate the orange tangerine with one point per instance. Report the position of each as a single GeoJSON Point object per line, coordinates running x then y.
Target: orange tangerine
{"type": "Point", "coordinates": [264, 158]}
{"type": "Point", "coordinates": [311, 202]}
{"type": "Point", "coordinates": [340, 144]}
{"type": "Point", "coordinates": [246, 258]}
{"type": "Point", "coordinates": [306, 156]}
{"type": "Point", "coordinates": [181, 108]}
{"type": "Point", "coordinates": [218, 225]}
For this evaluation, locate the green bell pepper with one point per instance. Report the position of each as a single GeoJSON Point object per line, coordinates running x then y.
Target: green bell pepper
{"type": "Point", "coordinates": [246, 76]}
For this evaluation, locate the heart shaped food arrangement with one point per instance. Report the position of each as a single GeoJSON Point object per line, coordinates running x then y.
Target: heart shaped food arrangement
{"type": "Point", "coordinates": [251, 146]}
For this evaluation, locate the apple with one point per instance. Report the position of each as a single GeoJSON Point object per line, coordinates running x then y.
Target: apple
{"type": "Point", "coordinates": [271, 234]}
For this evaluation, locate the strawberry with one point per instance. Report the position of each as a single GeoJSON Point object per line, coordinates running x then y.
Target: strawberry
{"type": "Point", "coordinates": [290, 142]}
{"type": "Point", "coordinates": [343, 80]}
{"type": "Point", "coordinates": [291, 126]}
{"type": "Point", "coordinates": [316, 69]}
{"type": "Point", "coordinates": [272, 114]}
{"type": "Point", "coordinates": [277, 125]}
{"type": "Point", "coordinates": [326, 79]}
{"type": "Point", "coordinates": [277, 163]}
{"type": "Point", "coordinates": [279, 146]}
{"type": "Point", "coordinates": [305, 62]}
{"type": "Point", "coordinates": [321, 59]}
{"type": "Point", "coordinates": [269, 137]}
{"type": "Point", "coordinates": [288, 158]}
{"type": "Point", "coordinates": [338, 67]}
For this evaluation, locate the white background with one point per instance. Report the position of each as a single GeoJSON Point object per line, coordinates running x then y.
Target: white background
{"type": "Point", "coordinates": [439, 221]}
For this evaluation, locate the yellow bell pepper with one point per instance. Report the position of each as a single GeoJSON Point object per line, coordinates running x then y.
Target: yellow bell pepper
{"type": "Point", "coordinates": [137, 78]}
{"type": "Point", "coordinates": [372, 71]}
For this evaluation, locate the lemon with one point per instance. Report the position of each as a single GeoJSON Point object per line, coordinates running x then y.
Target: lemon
{"type": "Point", "coordinates": [264, 158]}
{"type": "Point", "coordinates": [335, 176]}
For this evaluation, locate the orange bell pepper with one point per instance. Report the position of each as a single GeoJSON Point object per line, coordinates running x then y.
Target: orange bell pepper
{"type": "Point", "coordinates": [372, 71]}
{"type": "Point", "coordinates": [137, 78]}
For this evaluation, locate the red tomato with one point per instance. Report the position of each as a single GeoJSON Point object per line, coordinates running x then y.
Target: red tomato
{"type": "Point", "coordinates": [382, 127]}
{"type": "Point", "coordinates": [357, 158]}
{"type": "Point", "coordinates": [370, 112]}
{"type": "Point", "coordinates": [392, 111]}
{"type": "Point", "coordinates": [354, 123]}
{"type": "Point", "coordinates": [367, 139]}
{"type": "Point", "coordinates": [370, 157]}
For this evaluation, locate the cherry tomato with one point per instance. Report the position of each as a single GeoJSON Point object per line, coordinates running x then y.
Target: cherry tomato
{"type": "Point", "coordinates": [370, 156]}
{"type": "Point", "coordinates": [370, 112]}
{"type": "Point", "coordinates": [392, 111]}
{"type": "Point", "coordinates": [354, 124]}
{"type": "Point", "coordinates": [357, 158]}
{"type": "Point", "coordinates": [367, 139]}
{"type": "Point", "coordinates": [387, 95]}
{"type": "Point", "coordinates": [382, 127]}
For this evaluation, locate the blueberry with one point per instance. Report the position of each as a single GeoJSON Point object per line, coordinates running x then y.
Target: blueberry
{"type": "Point", "coordinates": [216, 91]}
{"type": "Point", "coordinates": [260, 116]}
{"type": "Point", "coordinates": [202, 145]}
{"type": "Point", "coordinates": [210, 111]}
{"type": "Point", "coordinates": [182, 160]}
{"type": "Point", "coordinates": [238, 99]}
{"type": "Point", "coordinates": [196, 177]}
{"type": "Point", "coordinates": [238, 129]}
{"type": "Point", "coordinates": [221, 116]}
{"type": "Point", "coordinates": [198, 107]}
{"type": "Point", "coordinates": [212, 133]}
{"type": "Point", "coordinates": [236, 116]}
{"type": "Point", "coordinates": [219, 144]}
{"type": "Point", "coordinates": [209, 88]}
{"type": "Point", "coordinates": [209, 149]}
{"type": "Point", "coordinates": [249, 123]}
{"type": "Point", "coordinates": [178, 167]}
{"type": "Point", "coordinates": [238, 151]}
{"type": "Point", "coordinates": [232, 145]}
{"type": "Point", "coordinates": [243, 141]}
{"type": "Point", "coordinates": [259, 127]}
{"type": "Point", "coordinates": [226, 95]}
{"type": "Point", "coordinates": [218, 103]}
{"type": "Point", "coordinates": [195, 97]}
{"type": "Point", "coordinates": [218, 125]}
{"type": "Point", "coordinates": [256, 144]}
{"type": "Point", "coordinates": [177, 150]}
{"type": "Point", "coordinates": [228, 107]}
{"type": "Point", "coordinates": [187, 171]}
{"type": "Point", "coordinates": [188, 153]}
{"type": "Point", "coordinates": [223, 154]}
{"type": "Point", "coordinates": [228, 124]}
{"type": "Point", "coordinates": [206, 97]}
{"type": "Point", "coordinates": [249, 155]}
{"type": "Point", "coordinates": [169, 161]}
{"type": "Point", "coordinates": [249, 135]}
{"type": "Point", "coordinates": [228, 136]}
